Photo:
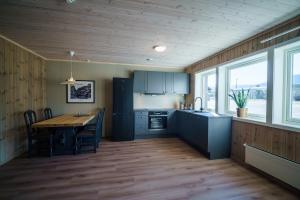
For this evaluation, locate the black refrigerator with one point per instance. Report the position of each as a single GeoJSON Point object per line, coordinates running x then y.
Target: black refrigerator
{"type": "Point", "coordinates": [122, 117]}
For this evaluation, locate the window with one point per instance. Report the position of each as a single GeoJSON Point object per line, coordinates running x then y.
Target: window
{"type": "Point", "coordinates": [248, 74]}
{"type": "Point", "coordinates": [286, 81]}
{"type": "Point", "coordinates": [292, 85]}
{"type": "Point", "coordinates": [206, 88]}
{"type": "Point", "coordinates": [273, 79]}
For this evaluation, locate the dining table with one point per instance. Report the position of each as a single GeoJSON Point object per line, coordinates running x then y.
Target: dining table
{"type": "Point", "coordinates": [63, 129]}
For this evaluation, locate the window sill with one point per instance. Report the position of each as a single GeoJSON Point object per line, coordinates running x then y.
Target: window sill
{"type": "Point", "coordinates": [288, 127]}
{"type": "Point", "coordinates": [259, 121]}
{"type": "Point", "coordinates": [262, 122]}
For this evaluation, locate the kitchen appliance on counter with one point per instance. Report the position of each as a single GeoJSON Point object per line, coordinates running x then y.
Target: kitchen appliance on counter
{"type": "Point", "coordinates": [158, 120]}
{"type": "Point", "coordinates": [122, 117]}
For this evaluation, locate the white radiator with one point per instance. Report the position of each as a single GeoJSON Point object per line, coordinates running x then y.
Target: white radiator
{"type": "Point", "coordinates": [283, 169]}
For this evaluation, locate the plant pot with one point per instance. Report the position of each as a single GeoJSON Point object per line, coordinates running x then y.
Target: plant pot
{"type": "Point", "coordinates": [242, 112]}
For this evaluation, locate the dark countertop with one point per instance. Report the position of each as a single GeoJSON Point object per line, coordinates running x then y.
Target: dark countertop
{"type": "Point", "coordinates": [154, 109]}
{"type": "Point", "coordinates": [205, 114]}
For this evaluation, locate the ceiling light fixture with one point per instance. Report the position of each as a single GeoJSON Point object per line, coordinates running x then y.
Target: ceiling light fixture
{"type": "Point", "coordinates": [71, 80]}
{"type": "Point", "coordinates": [70, 1]}
{"type": "Point", "coordinates": [159, 48]}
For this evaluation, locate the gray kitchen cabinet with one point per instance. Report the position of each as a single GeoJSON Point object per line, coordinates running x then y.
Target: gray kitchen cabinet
{"type": "Point", "coordinates": [155, 82]}
{"type": "Point", "coordinates": [169, 82]}
{"type": "Point", "coordinates": [140, 81]}
{"type": "Point", "coordinates": [171, 128]}
{"type": "Point", "coordinates": [141, 123]}
{"type": "Point", "coordinates": [181, 83]}
{"type": "Point", "coordinates": [152, 82]}
{"type": "Point", "coordinates": [206, 132]}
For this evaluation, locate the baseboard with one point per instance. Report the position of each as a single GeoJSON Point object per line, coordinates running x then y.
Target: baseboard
{"type": "Point", "coordinates": [148, 136]}
{"type": "Point", "coordinates": [22, 148]}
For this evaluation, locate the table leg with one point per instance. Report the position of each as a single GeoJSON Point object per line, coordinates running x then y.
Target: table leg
{"type": "Point", "coordinates": [51, 145]}
{"type": "Point", "coordinates": [75, 144]}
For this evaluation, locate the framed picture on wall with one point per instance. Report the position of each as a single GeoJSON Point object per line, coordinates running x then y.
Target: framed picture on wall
{"type": "Point", "coordinates": [83, 91]}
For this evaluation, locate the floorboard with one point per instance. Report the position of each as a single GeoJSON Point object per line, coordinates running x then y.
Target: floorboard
{"type": "Point", "coordinates": [138, 170]}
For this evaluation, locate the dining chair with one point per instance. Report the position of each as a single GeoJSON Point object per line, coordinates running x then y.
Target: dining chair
{"type": "Point", "coordinates": [48, 113]}
{"type": "Point", "coordinates": [92, 126]}
{"type": "Point", "coordinates": [34, 136]}
{"type": "Point", "coordinates": [90, 135]}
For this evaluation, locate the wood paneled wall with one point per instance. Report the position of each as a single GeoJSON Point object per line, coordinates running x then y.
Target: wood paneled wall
{"type": "Point", "coordinates": [23, 86]}
{"type": "Point", "coordinates": [279, 142]}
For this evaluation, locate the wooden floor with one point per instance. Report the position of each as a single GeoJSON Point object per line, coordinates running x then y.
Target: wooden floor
{"type": "Point", "coordinates": [137, 170]}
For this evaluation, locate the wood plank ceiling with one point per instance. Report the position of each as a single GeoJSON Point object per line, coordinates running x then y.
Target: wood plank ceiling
{"type": "Point", "coordinates": [124, 31]}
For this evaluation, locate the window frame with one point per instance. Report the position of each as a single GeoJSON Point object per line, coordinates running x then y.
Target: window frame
{"type": "Point", "coordinates": [203, 80]}
{"type": "Point", "coordinates": [288, 87]}
{"type": "Point", "coordinates": [249, 61]}
{"type": "Point", "coordinates": [275, 85]}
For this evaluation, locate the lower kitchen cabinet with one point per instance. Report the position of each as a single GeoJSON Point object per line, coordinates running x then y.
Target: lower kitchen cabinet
{"type": "Point", "coordinates": [206, 132]}
{"type": "Point", "coordinates": [171, 128]}
{"type": "Point", "coordinates": [141, 123]}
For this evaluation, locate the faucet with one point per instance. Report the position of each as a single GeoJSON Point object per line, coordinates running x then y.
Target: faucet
{"type": "Point", "coordinates": [201, 108]}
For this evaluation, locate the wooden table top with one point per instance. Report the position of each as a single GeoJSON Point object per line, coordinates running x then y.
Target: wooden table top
{"type": "Point", "coordinates": [64, 121]}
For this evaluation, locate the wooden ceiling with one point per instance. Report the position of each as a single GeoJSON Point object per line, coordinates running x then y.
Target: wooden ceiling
{"type": "Point", "coordinates": [124, 31]}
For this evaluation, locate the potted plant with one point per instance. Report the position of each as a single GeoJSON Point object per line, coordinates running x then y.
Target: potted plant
{"type": "Point", "coordinates": [240, 97]}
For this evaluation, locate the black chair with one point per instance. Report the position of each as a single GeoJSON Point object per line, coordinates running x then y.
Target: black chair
{"type": "Point", "coordinates": [34, 136]}
{"type": "Point", "coordinates": [48, 113]}
{"type": "Point", "coordinates": [92, 126]}
{"type": "Point", "coordinates": [90, 135]}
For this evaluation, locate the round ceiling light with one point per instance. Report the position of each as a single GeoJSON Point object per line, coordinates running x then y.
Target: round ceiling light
{"type": "Point", "coordinates": [159, 48]}
{"type": "Point", "coordinates": [70, 1]}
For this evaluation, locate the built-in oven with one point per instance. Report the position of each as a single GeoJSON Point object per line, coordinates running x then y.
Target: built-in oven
{"type": "Point", "coordinates": [158, 120]}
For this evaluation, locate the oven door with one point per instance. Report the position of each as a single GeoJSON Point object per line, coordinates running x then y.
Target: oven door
{"type": "Point", "coordinates": [157, 122]}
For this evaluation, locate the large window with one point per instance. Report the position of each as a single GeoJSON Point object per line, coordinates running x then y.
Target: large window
{"type": "Point", "coordinates": [206, 88]}
{"type": "Point", "coordinates": [250, 74]}
{"type": "Point", "coordinates": [286, 89]}
{"type": "Point", "coordinates": [293, 85]}
{"type": "Point", "coordinates": [272, 78]}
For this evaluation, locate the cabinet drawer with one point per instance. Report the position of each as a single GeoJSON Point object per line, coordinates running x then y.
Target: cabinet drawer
{"type": "Point", "coordinates": [141, 129]}
{"type": "Point", "coordinates": [141, 122]}
{"type": "Point", "coordinates": [140, 118]}
{"type": "Point", "coordinates": [139, 113]}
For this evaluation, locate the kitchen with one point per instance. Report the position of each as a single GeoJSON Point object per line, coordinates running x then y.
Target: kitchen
{"type": "Point", "coordinates": [148, 121]}
{"type": "Point", "coordinates": [149, 100]}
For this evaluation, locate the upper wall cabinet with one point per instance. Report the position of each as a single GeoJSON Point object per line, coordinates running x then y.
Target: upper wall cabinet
{"type": "Point", "coordinates": [156, 82]}
{"type": "Point", "coordinates": [169, 82]}
{"type": "Point", "coordinates": [140, 81]}
{"type": "Point", "coordinates": [181, 83]}
{"type": "Point", "coordinates": [161, 82]}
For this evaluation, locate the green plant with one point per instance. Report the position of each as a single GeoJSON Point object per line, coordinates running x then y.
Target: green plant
{"type": "Point", "coordinates": [240, 97]}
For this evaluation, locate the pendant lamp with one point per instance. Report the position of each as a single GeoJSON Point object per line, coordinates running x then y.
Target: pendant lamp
{"type": "Point", "coordinates": [71, 80]}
